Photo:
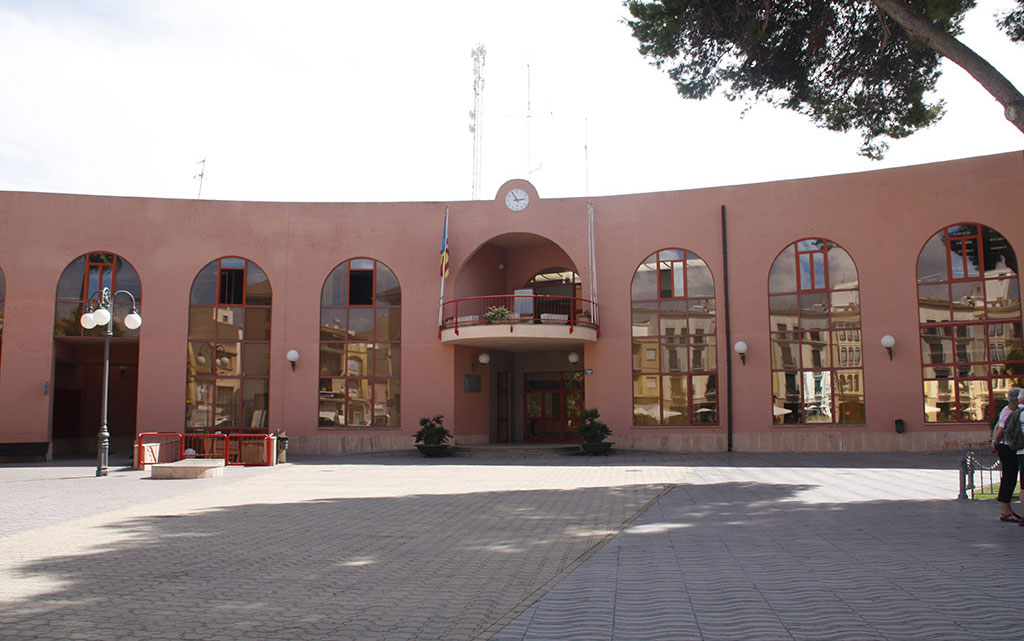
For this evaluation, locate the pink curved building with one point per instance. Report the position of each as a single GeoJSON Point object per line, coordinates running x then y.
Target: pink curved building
{"type": "Point", "coordinates": [631, 304]}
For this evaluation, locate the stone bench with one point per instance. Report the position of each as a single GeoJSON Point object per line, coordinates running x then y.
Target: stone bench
{"type": "Point", "coordinates": [190, 468]}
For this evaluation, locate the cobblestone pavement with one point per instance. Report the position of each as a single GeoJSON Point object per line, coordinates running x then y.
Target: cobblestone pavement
{"type": "Point", "coordinates": [358, 547]}
{"type": "Point", "coordinates": [730, 546]}
{"type": "Point", "coordinates": [813, 547]}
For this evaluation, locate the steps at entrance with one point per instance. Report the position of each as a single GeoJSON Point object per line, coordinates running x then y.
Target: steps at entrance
{"type": "Point", "coordinates": [514, 450]}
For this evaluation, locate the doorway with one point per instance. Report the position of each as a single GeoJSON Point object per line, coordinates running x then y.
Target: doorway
{"type": "Point", "coordinates": [78, 395]}
{"type": "Point", "coordinates": [552, 405]}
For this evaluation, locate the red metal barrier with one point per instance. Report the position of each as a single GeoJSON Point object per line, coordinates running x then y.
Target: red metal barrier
{"type": "Point", "coordinates": [250, 449]}
{"type": "Point", "coordinates": [517, 309]}
{"type": "Point", "coordinates": [157, 447]}
{"type": "Point", "coordinates": [235, 449]}
{"type": "Point", "coordinates": [204, 446]}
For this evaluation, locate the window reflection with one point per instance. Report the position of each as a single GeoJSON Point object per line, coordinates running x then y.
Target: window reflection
{"type": "Point", "coordinates": [228, 352]}
{"type": "Point", "coordinates": [86, 276]}
{"type": "Point", "coordinates": [674, 341]}
{"type": "Point", "coordinates": [822, 301]}
{"type": "Point", "coordinates": [969, 310]}
{"type": "Point", "coordinates": [360, 339]}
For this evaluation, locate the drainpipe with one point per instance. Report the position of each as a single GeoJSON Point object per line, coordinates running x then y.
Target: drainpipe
{"type": "Point", "coordinates": [728, 331]}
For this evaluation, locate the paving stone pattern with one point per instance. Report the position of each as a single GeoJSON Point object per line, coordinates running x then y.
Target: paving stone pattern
{"type": "Point", "coordinates": [730, 546]}
{"type": "Point", "coordinates": [780, 547]}
{"type": "Point", "coordinates": [362, 547]}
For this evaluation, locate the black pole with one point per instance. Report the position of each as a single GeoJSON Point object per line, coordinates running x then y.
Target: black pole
{"type": "Point", "coordinates": [728, 331]}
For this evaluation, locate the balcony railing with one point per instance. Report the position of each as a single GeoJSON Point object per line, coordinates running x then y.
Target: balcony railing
{"type": "Point", "coordinates": [519, 309]}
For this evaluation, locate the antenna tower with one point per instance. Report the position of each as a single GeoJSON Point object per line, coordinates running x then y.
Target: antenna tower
{"type": "Point", "coordinates": [476, 121]}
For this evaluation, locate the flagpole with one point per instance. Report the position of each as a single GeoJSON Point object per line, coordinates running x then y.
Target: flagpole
{"type": "Point", "coordinates": [444, 266]}
{"type": "Point", "coordinates": [593, 259]}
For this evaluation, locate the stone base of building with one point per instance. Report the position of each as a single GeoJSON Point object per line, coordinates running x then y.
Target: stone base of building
{"type": "Point", "coordinates": [790, 440]}
{"type": "Point", "coordinates": [336, 443]}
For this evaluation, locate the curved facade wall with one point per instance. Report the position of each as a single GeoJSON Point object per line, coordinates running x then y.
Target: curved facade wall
{"type": "Point", "coordinates": [880, 218]}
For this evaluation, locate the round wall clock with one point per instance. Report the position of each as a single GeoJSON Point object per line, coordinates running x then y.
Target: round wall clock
{"type": "Point", "coordinates": [517, 199]}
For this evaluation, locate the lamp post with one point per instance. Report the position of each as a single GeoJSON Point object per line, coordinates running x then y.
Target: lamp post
{"type": "Point", "coordinates": [104, 315]}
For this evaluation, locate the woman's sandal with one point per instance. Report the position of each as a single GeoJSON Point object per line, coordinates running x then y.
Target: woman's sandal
{"type": "Point", "coordinates": [1010, 518]}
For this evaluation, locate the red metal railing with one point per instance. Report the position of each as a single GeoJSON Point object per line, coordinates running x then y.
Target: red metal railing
{"type": "Point", "coordinates": [204, 446]}
{"type": "Point", "coordinates": [235, 449]}
{"type": "Point", "coordinates": [157, 447]}
{"type": "Point", "coordinates": [250, 449]}
{"type": "Point", "coordinates": [518, 309]}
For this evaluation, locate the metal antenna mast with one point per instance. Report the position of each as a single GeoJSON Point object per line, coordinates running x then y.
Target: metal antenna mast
{"type": "Point", "coordinates": [476, 122]}
{"type": "Point", "coordinates": [200, 172]}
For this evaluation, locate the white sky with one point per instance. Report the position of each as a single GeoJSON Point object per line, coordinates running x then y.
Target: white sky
{"type": "Point", "coordinates": [314, 100]}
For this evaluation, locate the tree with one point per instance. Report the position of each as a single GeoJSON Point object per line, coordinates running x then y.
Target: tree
{"type": "Point", "coordinates": [862, 65]}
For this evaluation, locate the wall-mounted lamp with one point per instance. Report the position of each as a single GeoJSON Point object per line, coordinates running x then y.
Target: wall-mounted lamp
{"type": "Point", "coordinates": [741, 348]}
{"type": "Point", "coordinates": [574, 358]}
{"type": "Point", "coordinates": [887, 342]}
{"type": "Point", "coordinates": [292, 356]}
{"type": "Point", "coordinates": [501, 266]}
{"type": "Point", "coordinates": [483, 359]}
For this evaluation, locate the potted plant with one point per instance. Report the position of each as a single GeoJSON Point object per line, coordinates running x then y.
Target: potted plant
{"type": "Point", "coordinates": [432, 439]}
{"type": "Point", "coordinates": [497, 314]}
{"type": "Point", "coordinates": [593, 432]}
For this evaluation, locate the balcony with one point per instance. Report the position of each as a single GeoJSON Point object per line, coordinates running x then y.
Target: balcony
{"type": "Point", "coordinates": [516, 322]}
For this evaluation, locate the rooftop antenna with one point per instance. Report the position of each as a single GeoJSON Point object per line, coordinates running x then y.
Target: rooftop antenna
{"type": "Point", "coordinates": [476, 121]}
{"type": "Point", "coordinates": [586, 156]}
{"type": "Point", "coordinates": [530, 169]}
{"type": "Point", "coordinates": [200, 172]}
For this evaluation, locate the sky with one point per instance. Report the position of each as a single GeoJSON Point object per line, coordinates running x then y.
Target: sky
{"type": "Point", "coordinates": [345, 101]}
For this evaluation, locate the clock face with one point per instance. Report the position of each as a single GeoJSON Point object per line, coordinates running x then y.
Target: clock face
{"type": "Point", "coordinates": [517, 199]}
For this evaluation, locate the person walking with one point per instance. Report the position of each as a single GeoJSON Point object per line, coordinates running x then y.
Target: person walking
{"type": "Point", "coordinates": [1009, 463]}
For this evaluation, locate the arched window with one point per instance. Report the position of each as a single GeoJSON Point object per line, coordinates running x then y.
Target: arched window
{"type": "Point", "coordinates": [228, 348]}
{"type": "Point", "coordinates": [675, 380]}
{"type": "Point", "coordinates": [814, 321]}
{"type": "Point", "coordinates": [360, 346]}
{"type": "Point", "coordinates": [85, 276]}
{"type": "Point", "coordinates": [969, 310]}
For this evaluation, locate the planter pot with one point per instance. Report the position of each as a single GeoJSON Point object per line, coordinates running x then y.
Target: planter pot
{"type": "Point", "coordinates": [433, 451]}
{"type": "Point", "coordinates": [594, 449]}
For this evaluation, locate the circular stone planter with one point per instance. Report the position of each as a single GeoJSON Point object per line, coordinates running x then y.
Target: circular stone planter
{"type": "Point", "coordinates": [433, 451]}
{"type": "Point", "coordinates": [594, 449]}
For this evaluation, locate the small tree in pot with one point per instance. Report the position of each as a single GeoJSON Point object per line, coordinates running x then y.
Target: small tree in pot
{"type": "Point", "coordinates": [432, 439]}
{"type": "Point", "coordinates": [593, 432]}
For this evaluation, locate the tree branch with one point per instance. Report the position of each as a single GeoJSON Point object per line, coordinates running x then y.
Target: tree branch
{"type": "Point", "coordinates": [921, 29]}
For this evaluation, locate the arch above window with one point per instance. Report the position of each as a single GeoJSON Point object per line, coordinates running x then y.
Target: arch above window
{"type": "Point", "coordinates": [814, 324]}
{"type": "Point", "coordinates": [675, 372]}
{"type": "Point", "coordinates": [82, 279]}
{"type": "Point", "coordinates": [360, 346]}
{"type": "Point", "coordinates": [970, 321]}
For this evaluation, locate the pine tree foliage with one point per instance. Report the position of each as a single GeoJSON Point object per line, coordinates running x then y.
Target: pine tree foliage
{"type": "Point", "coordinates": [846, 64]}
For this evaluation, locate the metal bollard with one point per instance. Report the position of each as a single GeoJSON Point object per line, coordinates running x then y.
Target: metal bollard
{"type": "Point", "coordinates": [966, 477]}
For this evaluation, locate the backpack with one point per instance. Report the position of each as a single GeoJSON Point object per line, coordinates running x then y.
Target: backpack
{"type": "Point", "coordinates": [1013, 434]}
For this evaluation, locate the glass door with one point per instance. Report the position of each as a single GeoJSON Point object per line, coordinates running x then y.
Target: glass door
{"type": "Point", "coordinates": [553, 402]}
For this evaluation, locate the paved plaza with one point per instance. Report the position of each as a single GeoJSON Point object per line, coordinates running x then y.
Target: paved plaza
{"type": "Point", "coordinates": [637, 545]}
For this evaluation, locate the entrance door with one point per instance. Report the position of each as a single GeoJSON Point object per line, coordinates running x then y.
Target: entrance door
{"type": "Point", "coordinates": [78, 395]}
{"type": "Point", "coordinates": [552, 405]}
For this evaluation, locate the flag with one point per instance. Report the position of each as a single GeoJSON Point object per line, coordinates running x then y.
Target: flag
{"type": "Point", "coordinates": [444, 247]}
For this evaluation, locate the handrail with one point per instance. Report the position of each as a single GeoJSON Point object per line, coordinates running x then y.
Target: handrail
{"type": "Point", "coordinates": [518, 309]}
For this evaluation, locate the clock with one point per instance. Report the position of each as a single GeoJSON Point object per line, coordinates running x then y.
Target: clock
{"type": "Point", "coordinates": [517, 199]}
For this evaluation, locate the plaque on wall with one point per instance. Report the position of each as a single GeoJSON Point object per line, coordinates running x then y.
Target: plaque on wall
{"type": "Point", "coordinates": [471, 383]}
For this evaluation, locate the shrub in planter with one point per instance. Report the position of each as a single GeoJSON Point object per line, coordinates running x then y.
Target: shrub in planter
{"type": "Point", "coordinates": [497, 313]}
{"type": "Point", "coordinates": [432, 431]}
{"type": "Point", "coordinates": [592, 430]}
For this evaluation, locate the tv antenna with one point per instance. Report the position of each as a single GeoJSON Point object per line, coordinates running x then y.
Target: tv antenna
{"type": "Point", "coordinates": [530, 169]}
{"type": "Point", "coordinates": [200, 172]}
